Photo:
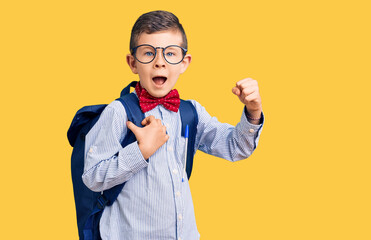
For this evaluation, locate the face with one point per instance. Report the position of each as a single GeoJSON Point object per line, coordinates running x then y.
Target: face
{"type": "Point", "coordinates": [159, 77]}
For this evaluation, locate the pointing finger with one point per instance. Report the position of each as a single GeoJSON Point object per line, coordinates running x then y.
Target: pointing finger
{"type": "Point", "coordinates": [148, 120]}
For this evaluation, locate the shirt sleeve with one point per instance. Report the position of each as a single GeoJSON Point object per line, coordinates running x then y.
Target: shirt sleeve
{"type": "Point", "coordinates": [224, 140]}
{"type": "Point", "coordinates": [107, 163]}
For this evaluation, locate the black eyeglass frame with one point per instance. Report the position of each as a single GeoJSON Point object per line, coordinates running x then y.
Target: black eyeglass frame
{"type": "Point", "coordinates": [133, 51]}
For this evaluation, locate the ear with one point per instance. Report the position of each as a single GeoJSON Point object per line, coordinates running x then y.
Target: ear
{"type": "Point", "coordinates": [132, 63]}
{"type": "Point", "coordinates": [185, 63]}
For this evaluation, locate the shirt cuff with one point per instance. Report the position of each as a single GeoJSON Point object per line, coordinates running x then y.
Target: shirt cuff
{"type": "Point", "coordinates": [249, 128]}
{"type": "Point", "coordinates": [133, 157]}
{"type": "Point", "coordinates": [251, 131]}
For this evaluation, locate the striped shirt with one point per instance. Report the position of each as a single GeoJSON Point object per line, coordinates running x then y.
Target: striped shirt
{"type": "Point", "coordinates": [155, 204]}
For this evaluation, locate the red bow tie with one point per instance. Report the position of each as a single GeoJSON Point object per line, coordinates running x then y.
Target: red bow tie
{"type": "Point", "coordinates": [171, 101]}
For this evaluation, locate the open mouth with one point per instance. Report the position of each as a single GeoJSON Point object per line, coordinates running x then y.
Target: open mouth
{"type": "Point", "coordinates": [159, 80]}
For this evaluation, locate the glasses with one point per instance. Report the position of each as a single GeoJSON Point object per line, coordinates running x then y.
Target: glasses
{"type": "Point", "coordinates": [146, 53]}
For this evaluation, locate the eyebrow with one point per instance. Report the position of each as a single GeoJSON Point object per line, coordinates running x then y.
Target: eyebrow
{"type": "Point", "coordinates": [160, 46]}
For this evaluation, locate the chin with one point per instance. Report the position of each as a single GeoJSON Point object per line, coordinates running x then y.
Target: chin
{"type": "Point", "coordinates": [159, 94]}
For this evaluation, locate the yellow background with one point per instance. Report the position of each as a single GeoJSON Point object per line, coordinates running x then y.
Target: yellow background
{"type": "Point", "coordinates": [310, 175]}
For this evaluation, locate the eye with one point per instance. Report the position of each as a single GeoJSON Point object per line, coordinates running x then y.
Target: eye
{"type": "Point", "coordinates": [170, 54]}
{"type": "Point", "coordinates": [150, 54]}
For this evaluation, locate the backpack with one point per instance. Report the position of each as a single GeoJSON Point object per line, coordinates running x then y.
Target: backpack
{"type": "Point", "coordinates": [89, 204]}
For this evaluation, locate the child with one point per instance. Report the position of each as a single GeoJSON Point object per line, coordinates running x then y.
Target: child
{"type": "Point", "coordinates": [155, 203]}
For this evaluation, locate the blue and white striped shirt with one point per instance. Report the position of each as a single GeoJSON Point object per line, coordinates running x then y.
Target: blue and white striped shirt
{"type": "Point", "coordinates": [155, 204]}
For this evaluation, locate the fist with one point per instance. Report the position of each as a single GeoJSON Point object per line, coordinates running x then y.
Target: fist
{"type": "Point", "coordinates": [247, 91]}
{"type": "Point", "coordinates": [151, 137]}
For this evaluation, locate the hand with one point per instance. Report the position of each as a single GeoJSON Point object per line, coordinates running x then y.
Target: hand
{"type": "Point", "coordinates": [247, 91]}
{"type": "Point", "coordinates": [151, 137]}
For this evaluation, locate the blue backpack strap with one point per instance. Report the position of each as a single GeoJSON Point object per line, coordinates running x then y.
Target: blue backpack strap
{"type": "Point", "coordinates": [188, 115]}
{"type": "Point", "coordinates": [134, 114]}
{"type": "Point", "coordinates": [126, 90]}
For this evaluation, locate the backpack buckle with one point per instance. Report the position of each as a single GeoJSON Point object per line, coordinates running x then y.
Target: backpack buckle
{"type": "Point", "coordinates": [102, 202]}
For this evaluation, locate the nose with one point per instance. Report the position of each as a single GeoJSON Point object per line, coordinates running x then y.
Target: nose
{"type": "Point", "coordinates": [159, 61]}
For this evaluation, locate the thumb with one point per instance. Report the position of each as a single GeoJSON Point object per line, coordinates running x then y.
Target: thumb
{"type": "Point", "coordinates": [236, 91]}
{"type": "Point", "coordinates": [133, 127]}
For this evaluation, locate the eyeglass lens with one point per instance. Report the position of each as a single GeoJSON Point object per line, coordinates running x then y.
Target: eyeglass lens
{"type": "Point", "coordinates": [172, 54]}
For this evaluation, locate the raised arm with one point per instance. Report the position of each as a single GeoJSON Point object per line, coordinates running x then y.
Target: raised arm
{"type": "Point", "coordinates": [233, 142]}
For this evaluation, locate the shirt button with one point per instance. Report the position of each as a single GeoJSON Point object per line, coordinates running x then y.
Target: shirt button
{"type": "Point", "coordinates": [179, 239]}
{"type": "Point", "coordinates": [175, 171]}
{"type": "Point", "coordinates": [180, 216]}
{"type": "Point", "coordinates": [177, 193]}
{"type": "Point", "coordinates": [91, 150]}
{"type": "Point", "coordinates": [170, 149]}
{"type": "Point", "coordinates": [251, 130]}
